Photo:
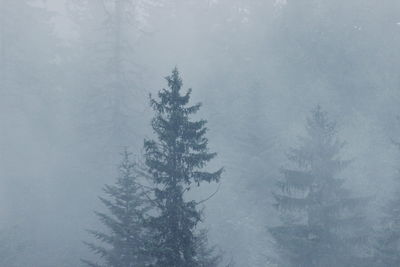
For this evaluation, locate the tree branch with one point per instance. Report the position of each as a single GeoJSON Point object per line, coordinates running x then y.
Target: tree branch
{"type": "Point", "coordinates": [210, 196]}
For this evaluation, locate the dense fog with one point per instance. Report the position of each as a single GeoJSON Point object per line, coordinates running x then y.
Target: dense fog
{"type": "Point", "coordinates": [75, 80]}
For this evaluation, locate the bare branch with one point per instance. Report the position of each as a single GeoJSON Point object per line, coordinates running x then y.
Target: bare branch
{"type": "Point", "coordinates": [210, 196]}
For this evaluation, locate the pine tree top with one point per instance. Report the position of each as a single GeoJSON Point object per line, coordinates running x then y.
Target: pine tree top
{"type": "Point", "coordinates": [171, 99]}
{"type": "Point", "coordinates": [319, 149]}
{"type": "Point", "coordinates": [182, 148]}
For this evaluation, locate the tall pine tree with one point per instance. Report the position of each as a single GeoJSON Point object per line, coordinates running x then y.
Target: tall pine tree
{"type": "Point", "coordinates": [175, 161]}
{"type": "Point", "coordinates": [322, 224]}
{"type": "Point", "coordinates": [124, 245]}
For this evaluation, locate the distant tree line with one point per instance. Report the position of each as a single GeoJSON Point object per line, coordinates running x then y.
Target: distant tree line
{"type": "Point", "coordinates": [151, 223]}
{"type": "Point", "coordinates": [322, 223]}
{"type": "Point", "coordinates": [149, 220]}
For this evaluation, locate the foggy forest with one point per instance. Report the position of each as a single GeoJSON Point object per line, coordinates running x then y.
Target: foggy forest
{"type": "Point", "coordinates": [200, 133]}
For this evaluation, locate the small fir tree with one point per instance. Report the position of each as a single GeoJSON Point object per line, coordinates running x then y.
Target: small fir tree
{"type": "Point", "coordinates": [175, 161]}
{"type": "Point", "coordinates": [124, 245]}
{"type": "Point", "coordinates": [322, 224]}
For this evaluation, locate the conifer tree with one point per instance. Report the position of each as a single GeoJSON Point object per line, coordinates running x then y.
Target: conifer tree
{"type": "Point", "coordinates": [175, 161]}
{"type": "Point", "coordinates": [322, 224]}
{"type": "Point", "coordinates": [124, 245]}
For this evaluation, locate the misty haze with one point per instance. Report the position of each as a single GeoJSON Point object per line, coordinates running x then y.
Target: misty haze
{"type": "Point", "coordinates": [200, 133]}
